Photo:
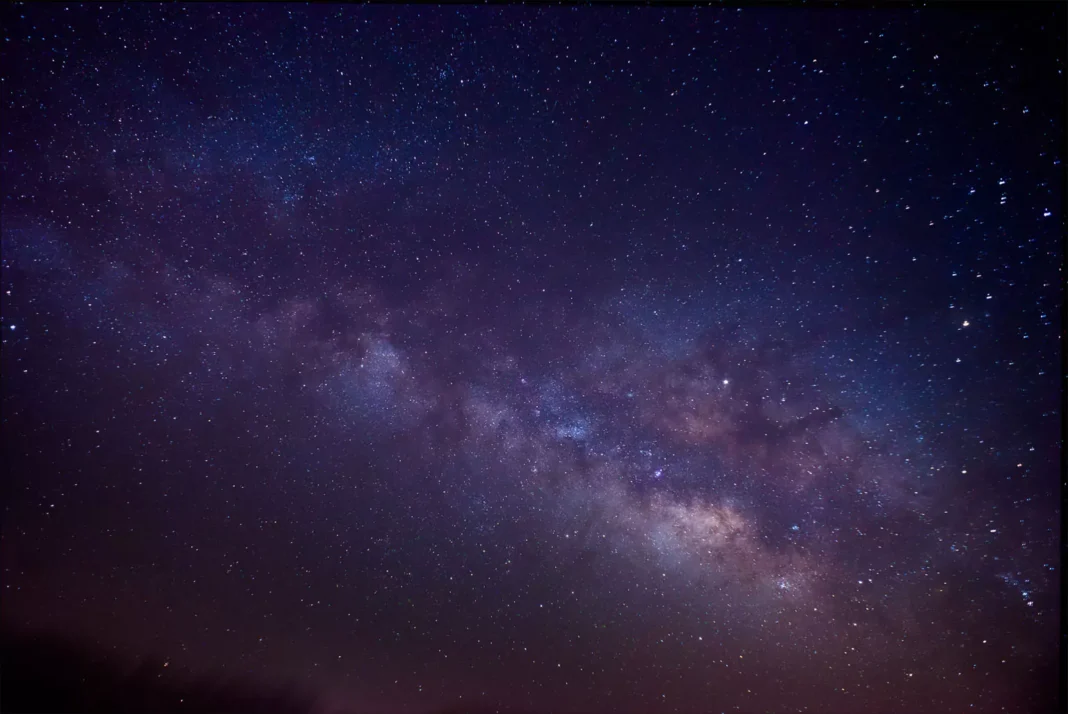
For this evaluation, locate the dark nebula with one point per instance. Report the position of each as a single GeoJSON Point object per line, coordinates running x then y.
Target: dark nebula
{"type": "Point", "coordinates": [530, 359]}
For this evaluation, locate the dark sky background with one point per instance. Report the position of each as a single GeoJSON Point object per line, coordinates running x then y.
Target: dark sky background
{"type": "Point", "coordinates": [548, 359]}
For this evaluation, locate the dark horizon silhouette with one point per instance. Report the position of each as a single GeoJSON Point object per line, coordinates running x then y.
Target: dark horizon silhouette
{"type": "Point", "coordinates": [45, 671]}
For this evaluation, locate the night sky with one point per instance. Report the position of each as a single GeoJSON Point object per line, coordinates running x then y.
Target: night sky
{"type": "Point", "coordinates": [616, 359]}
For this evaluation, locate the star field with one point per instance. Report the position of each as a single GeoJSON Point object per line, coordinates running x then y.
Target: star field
{"type": "Point", "coordinates": [650, 359]}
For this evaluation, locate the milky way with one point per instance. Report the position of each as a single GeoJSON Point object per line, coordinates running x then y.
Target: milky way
{"type": "Point", "coordinates": [627, 360]}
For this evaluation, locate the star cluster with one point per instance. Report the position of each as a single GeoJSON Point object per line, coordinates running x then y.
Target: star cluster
{"type": "Point", "coordinates": [564, 359]}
